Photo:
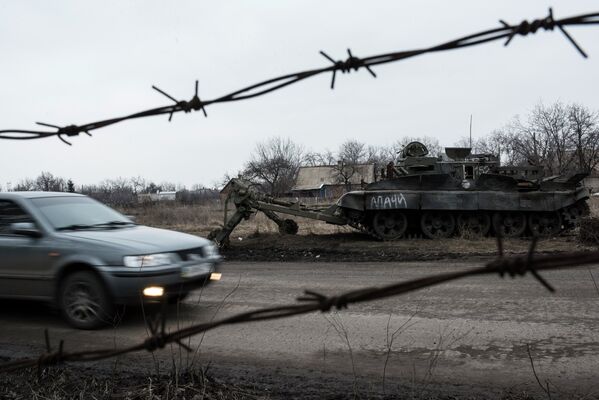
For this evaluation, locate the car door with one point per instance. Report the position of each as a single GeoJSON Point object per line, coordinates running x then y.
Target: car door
{"type": "Point", "coordinates": [24, 261]}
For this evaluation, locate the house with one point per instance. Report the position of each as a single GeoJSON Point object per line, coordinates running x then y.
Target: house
{"type": "Point", "coordinates": [325, 181]}
{"type": "Point", "coordinates": [224, 192]}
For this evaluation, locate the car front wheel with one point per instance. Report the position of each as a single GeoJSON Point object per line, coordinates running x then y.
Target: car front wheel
{"type": "Point", "coordinates": [84, 302]}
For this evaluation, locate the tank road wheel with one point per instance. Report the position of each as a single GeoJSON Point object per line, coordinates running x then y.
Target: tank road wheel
{"type": "Point", "coordinates": [389, 225]}
{"type": "Point", "coordinates": [573, 214]}
{"type": "Point", "coordinates": [509, 224]}
{"type": "Point", "coordinates": [437, 224]}
{"type": "Point", "coordinates": [545, 223]}
{"type": "Point", "coordinates": [288, 227]}
{"type": "Point", "coordinates": [474, 223]}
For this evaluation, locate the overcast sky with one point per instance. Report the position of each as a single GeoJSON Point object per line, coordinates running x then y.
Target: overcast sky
{"type": "Point", "coordinates": [66, 62]}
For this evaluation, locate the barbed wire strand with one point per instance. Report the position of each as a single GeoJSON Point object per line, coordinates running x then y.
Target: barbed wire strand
{"type": "Point", "coordinates": [313, 301]}
{"type": "Point", "coordinates": [352, 63]}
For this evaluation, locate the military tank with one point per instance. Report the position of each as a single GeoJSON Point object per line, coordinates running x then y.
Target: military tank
{"type": "Point", "coordinates": [463, 193]}
{"type": "Point", "coordinates": [458, 193]}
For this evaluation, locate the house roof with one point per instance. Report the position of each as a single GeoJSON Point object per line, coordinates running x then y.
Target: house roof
{"type": "Point", "coordinates": [312, 178]}
{"type": "Point", "coordinates": [227, 188]}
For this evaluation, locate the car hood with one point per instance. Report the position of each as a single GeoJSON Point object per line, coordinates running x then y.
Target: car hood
{"type": "Point", "coordinates": [140, 239]}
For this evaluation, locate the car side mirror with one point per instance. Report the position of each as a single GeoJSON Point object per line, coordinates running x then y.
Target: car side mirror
{"type": "Point", "coordinates": [26, 229]}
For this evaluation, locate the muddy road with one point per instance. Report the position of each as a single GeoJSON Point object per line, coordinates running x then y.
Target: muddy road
{"type": "Point", "coordinates": [478, 335]}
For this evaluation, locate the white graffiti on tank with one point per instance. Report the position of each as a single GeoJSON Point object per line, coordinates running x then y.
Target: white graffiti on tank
{"type": "Point", "coordinates": [389, 201]}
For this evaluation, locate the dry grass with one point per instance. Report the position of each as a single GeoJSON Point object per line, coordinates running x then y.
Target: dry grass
{"type": "Point", "coordinates": [202, 219]}
{"type": "Point", "coordinates": [594, 206]}
{"type": "Point", "coordinates": [197, 219]}
{"type": "Point", "coordinates": [588, 232]}
{"type": "Point", "coordinates": [64, 384]}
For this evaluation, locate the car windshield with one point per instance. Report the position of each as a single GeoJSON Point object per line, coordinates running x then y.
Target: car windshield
{"type": "Point", "coordinates": [74, 213]}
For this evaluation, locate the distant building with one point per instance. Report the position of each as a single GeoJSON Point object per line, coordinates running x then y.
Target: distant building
{"type": "Point", "coordinates": [158, 196]}
{"type": "Point", "coordinates": [324, 180]}
{"type": "Point", "coordinates": [224, 192]}
{"type": "Point", "coordinates": [198, 196]}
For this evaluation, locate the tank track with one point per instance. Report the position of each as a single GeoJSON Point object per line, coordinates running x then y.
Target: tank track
{"type": "Point", "coordinates": [364, 228]}
{"type": "Point", "coordinates": [570, 217]}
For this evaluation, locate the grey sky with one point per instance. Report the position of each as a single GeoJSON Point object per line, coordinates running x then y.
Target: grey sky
{"type": "Point", "coordinates": [69, 62]}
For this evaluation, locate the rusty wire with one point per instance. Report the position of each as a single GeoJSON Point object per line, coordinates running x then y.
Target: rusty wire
{"type": "Point", "coordinates": [506, 31]}
{"type": "Point", "coordinates": [310, 302]}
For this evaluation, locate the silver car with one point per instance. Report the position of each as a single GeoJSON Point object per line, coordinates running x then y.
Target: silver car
{"type": "Point", "coordinates": [88, 258]}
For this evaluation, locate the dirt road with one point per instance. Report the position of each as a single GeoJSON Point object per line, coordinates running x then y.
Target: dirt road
{"type": "Point", "coordinates": [470, 336]}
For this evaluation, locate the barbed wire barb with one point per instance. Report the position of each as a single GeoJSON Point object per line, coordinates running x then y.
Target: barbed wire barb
{"type": "Point", "coordinates": [352, 62]}
{"type": "Point", "coordinates": [196, 102]}
{"type": "Point", "coordinates": [181, 105]}
{"type": "Point", "coordinates": [547, 23]}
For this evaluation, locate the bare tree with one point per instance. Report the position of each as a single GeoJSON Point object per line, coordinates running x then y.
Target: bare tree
{"type": "Point", "coordinates": [274, 165]}
{"type": "Point", "coordinates": [25, 185]}
{"type": "Point", "coordinates": [552, 123]}
{"type": "Point", "coordinates": [117, 191]}
{"type": "Point", "coordinates": [47, 182]}
{"type": "Point", "coordinates": [494, 143]}
{"type": "Point", "coordinates": [167, 186]}
{"type": "Point", "coordinates": [138, 184]}
{"type": "Point", "coordinates": [351, 154]}
{"type": "Point", "coordinates": [529, 145]}
{"type": "Point", "coordinates": [380, 155]}
{"type": "Point", "coordinates": [559, 138]}
{"type": "Point", "coordinates": [584, 125]}
{"type": "Point", "coordinates": [313, 159]}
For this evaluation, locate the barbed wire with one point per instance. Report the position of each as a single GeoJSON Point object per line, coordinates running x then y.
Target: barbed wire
{"type": "Point", "coordinates": [352, 63]}
{"type": "Point", "coordinates": [312, 301]}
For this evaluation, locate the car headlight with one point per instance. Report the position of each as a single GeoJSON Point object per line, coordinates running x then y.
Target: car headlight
{"type": "Point", "coordinates": [150, 260]}
{"type": "Point", "coordinates": [210, 250]}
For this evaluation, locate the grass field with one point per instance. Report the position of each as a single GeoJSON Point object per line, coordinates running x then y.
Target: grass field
{"type": "Point", "coordinates": [202, 219]}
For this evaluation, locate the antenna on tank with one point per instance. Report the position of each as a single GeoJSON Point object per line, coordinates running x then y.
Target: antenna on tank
{"type": "Point", "coordinates": [470, 130]}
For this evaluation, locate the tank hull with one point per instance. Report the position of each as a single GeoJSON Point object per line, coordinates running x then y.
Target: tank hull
{"type": "Point", "coordinates": [461, 200]}
{"type": "Point", "coordinates": [438, 206]}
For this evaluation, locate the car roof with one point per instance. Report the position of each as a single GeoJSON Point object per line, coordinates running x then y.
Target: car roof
{"type": "Point", "coordinates": [34, 195]}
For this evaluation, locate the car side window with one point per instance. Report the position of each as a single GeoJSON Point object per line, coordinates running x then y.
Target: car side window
{"type": "Point", "coordinates": [10, 213]}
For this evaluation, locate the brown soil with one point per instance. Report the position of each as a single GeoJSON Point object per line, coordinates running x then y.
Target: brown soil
{"type": "Point", "coordinates": [360, 247]}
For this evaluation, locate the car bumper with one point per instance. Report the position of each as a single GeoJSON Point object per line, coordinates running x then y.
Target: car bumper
{"type": "Point", "coordinates": [126, 285]}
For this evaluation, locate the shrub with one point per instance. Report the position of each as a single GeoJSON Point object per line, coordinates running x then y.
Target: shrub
{"type": "Point", "coordinates": [589, 230]}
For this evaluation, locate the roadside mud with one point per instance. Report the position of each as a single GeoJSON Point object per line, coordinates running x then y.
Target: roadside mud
{"type": "Point", "coordinates": [104, 381]}
{"type": "Point", "coordinates": [356, 247]}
